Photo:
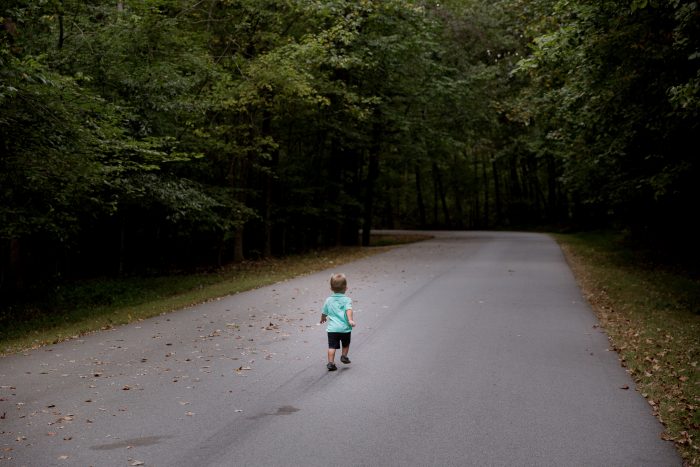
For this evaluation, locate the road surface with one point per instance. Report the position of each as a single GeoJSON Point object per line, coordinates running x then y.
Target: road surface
{"type": "Point", "coordinates": [474, 348]}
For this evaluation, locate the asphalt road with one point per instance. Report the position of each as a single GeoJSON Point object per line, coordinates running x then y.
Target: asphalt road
{"type": "Point", "coordinates": [475, 348]}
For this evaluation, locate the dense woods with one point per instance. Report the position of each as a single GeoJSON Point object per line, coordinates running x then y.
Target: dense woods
{"type": "Point", "coordinates": [139, 136]}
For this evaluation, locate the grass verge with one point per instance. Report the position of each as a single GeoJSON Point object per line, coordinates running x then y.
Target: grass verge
{"type": "Point", "coordinates": [80, 308]}
{"type": "Point", "coordinates": [651, 314]}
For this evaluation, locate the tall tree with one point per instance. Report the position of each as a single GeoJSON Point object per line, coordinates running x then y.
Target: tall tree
{"type": "Point", "coordinates": [619, 125]}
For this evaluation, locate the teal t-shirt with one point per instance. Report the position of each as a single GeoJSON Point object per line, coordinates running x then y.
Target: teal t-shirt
{"type": "Point", "coordinates": [335, 309]}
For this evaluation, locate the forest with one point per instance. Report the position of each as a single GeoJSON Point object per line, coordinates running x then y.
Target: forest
{"type": "Point", "coordinates": [142, 136]}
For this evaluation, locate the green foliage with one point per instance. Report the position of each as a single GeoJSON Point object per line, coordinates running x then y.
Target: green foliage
{"type": "Point", "coordinates": [613, 87]}
{"type": "Point", "coordinates": [263, 127]}
{"type": "Point", "coordinates": [47, 167]}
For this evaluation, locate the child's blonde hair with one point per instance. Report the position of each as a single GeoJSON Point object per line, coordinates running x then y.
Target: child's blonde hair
{"type": "Point", "coordinates": [339, 283]}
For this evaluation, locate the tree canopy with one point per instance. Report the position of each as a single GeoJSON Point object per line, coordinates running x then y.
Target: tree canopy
{"type": "Point", "coordinates": [149, 135]}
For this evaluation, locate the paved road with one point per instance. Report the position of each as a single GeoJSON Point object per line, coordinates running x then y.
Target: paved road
{"type": "Point", "coordinates": [471, 349]}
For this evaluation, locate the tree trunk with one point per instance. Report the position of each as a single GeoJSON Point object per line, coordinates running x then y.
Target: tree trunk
{"type": "Point", "coordinates": [496, 192]}
{"type": "Point", "coordinates": [269, 186]}
{"type": "Point", "coordinates": [238, 255]}
{"type": "Point", "coordinates": [267, 248]}
{"type": "Point", "coordinates": [122, 246]}
{"type": "Point", "coordinates": [16, 273]}
{"type": "Point", "coordinates": [441, 192]}
{"type": "Point", "coordinates": [456, 186]}
{"type": "Point", "coordinates": [372, 175]}
{"type": "Point", "coordinates": [515, 176]}
{"type": "Point", "coordinates": [419, 196]}
{"type": "Point", "coordinates": [459, 222]}
{"type": "Point", "coordinates": [476, 216]}
{"type": "Point", "coordinates": [238, 173]}
{"type": "Point", "coordinates": [552, 201]}
{"type": "Point", "coordinates": [337, 159]}
{"type": "Point", "coordinates": [485, 177]}
{"type": "Point", "coordinates": [436, 203]}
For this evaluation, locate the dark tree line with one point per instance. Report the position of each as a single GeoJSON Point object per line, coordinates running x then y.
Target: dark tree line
{"type": "Point", "coordinates": [151, 135]}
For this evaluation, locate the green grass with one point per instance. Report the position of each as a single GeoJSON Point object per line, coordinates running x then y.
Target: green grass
{"type": "Point", "coordinates": [83, 307]}
{"type": "Point", "coordinates": [651, 313]}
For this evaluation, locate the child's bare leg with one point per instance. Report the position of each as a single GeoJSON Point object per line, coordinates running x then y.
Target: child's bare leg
{"type": "Point", "coordinates": [331, 355]}
{"type": "Point", "coordinates": [344, 355]}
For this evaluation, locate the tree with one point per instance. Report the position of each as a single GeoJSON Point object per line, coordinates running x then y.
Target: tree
{"type": "Point", "coordinates": [622, 132]}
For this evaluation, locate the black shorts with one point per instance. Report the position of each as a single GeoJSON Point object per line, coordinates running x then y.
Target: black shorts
{"type": "Point", "coordinates": [335, 339]}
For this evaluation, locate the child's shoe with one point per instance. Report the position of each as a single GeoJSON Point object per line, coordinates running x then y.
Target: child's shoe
{"type": "Point", "coordinates": [331, 366]}
{"type": "Point", "coordinates": [344, 359]}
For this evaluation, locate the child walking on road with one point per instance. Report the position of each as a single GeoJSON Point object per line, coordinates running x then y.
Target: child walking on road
{"type": "Point", "coordinates": [337, 311]}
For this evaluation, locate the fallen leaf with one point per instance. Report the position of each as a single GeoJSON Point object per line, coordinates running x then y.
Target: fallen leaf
{"type": "Point", "coordinates": [625, 387]}
{"type": "Point", "coordinates": [137, 463]}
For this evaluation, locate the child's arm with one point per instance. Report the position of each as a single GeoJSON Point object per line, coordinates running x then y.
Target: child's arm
{"type": "Point", "coordinates": [323, 318]}
{"type": "Point", "coordinates": [349, 313]}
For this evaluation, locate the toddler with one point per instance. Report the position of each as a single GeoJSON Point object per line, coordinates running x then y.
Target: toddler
{"type": "Point", "coordinates": [337, 311]}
